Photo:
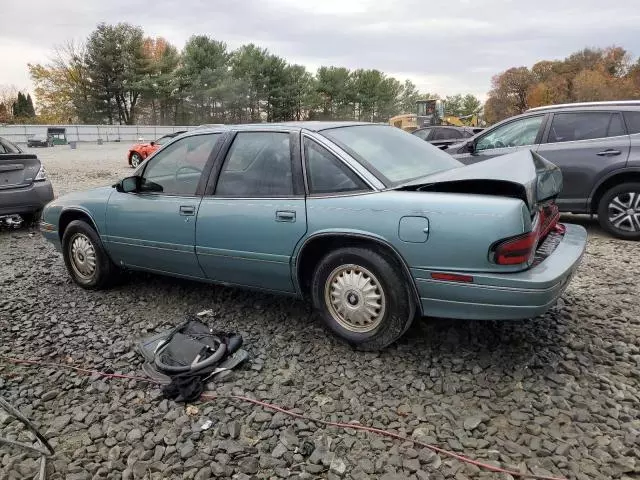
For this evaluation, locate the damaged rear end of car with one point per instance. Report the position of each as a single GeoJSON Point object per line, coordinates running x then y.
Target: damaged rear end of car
{"type": "Point", "coordinates": [529, 258]}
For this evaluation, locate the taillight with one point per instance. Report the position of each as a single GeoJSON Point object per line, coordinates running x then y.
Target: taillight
{"type": "Point", "coordinates": [515, 250]}
{"type": "Point", "coordinates": [520, 249]}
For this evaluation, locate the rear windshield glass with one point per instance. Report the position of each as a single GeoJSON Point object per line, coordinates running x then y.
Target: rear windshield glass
{"type": "Point", "coordinates": [391, 154]}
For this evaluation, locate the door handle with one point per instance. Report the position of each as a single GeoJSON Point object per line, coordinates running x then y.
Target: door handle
{"type": "Point", "coordinates": [187, 210]}
{"type": "Point", "coordinates": [609, 153]}
{"type": "Point", "coordinates": [285, 216]}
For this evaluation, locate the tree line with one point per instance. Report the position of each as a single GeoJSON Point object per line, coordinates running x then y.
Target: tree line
{"type": "Point", "coordinates": [119, 76]}
{"type": "Point", "coordinates": [592, 74]}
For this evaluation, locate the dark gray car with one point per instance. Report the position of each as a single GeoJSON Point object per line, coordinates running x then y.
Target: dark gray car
{"type": "Point", "coordinates": [24, 187]}
{"type": "Point", "coordinates": [597, 147]}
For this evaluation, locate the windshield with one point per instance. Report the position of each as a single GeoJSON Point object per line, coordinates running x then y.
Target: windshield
{"type": "Point", "coordinates": [391, 154]}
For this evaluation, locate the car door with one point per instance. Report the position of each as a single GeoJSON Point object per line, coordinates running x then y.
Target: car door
{"type": "Point", "coordinates": [253, 214]}
{"type": "Point", "coordinates": [153, 228]}
{"type": "Point", "coordinates": [518, 134]}
{"type": "Point", "coordinates": [586, 146]}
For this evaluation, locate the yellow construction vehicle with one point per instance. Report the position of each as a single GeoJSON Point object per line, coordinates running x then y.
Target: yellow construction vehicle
{"type": "Point", "coordinates": [431, 112]}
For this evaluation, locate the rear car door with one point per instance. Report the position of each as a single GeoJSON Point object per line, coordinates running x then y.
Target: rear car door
{"type": "Point", "coordinates": [154, 227]}
{"type": "Point", "coordinates": [253, 214]}
{"type": "Point", "coordinates": [586, 145]}
{"type": "Point", "coordinates": [518, 134]}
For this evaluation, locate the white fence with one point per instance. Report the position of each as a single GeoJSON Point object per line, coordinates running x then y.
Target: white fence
{"type": "Point", "coordinates": [91, 133]}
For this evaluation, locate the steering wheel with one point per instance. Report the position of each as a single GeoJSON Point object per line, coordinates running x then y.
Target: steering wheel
{"type": "Point", "coordinates": [186, 167]}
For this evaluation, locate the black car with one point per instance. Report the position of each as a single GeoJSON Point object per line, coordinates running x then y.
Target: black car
{"type": "Point", "coordinates": [40, 141]}
{"type": "Point", "coordinates": [24, 187]}
{"type": "Point", "coordinates": [442, 136]}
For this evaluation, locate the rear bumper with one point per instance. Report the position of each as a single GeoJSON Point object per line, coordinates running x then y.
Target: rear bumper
{"type": "Point", "coordinates": [27, 199]}
{"type": "Point", "coordinates": [506, 296]}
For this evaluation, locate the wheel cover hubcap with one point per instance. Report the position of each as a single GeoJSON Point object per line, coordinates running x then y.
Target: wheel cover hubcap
{"type": "Point", "coordinates": [624, 211]}
{"type": "Point", "coordinates": [355, 298]}
{"type": "Point", "coordinates": [83, 256]}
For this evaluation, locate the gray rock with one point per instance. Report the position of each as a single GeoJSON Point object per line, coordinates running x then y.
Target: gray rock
{"type": "Point", "coordinates": [472, 422]}
{"type": "Point", "coordinates": [187, 450]}
{"type": "Point", "coordinates": [134, 435]}
{"type": "Point", "coordinates": [249, 465]}
{"type": "Point", "coordinates": [234, 429]}
{"type": "Point", "coordinates": [279, 450]}
{"type": "Point", "coordinates": [338, 467]}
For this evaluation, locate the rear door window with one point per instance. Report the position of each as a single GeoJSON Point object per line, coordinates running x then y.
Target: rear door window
{"type": "Point", "coordinates": [632, 119]}
{"type": "Point", "coordinates": [571, 127]}
{"type": "Point", "coordinates": [258, 165]}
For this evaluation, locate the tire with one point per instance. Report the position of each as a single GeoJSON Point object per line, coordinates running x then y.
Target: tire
{"type": "Point", "coordinates": [80, 236]}
{"type": "Point", "coordinates": [386, 288]}
{"type": "Point", "coordinates": [136, 160]}
{"type": "Point", "coordinates": [619, 211]}
{"type": "Point", "coordinates": [30, 219]}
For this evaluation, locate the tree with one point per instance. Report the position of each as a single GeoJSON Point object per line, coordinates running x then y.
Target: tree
{"type": "Point", "coordinates": [408, 97]}
{"type": "Point", "coordinates": [116, 66]}
{"type": "Point", "coordinates": [470, 105]}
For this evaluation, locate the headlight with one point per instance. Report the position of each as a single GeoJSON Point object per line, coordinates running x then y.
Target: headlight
{"type": "Point", "coordinates": [42, 174]}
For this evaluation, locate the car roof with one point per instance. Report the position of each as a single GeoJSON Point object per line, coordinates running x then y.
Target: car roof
{"type": "Point", "coordinates": [587, 105]}
{"type": "Point", "coordinates": [315, 126]}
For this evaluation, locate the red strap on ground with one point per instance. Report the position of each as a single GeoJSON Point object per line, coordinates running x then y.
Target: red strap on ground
{"type": "Point", "coordinates": [352, 426]}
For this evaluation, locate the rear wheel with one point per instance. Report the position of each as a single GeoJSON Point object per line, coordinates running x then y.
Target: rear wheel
{"type": "Point", "coordinates": [136, 160]}
{"type": "Point", "coordinates": [85, 257]}
{"type": "Point", "coordinates": [363, 297]}
{"type": "Point", "coordinates": [619, 211]}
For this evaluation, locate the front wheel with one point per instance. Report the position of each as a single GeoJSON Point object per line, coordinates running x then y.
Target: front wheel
{"type": "Point", "coordinates": [363, 297]}
{"type": "Point", "coordinates": [136, 160]}
{"type": "Point", "coordinates": [85, 257]}
{"type": "Point", "coordinates": [619, 211]}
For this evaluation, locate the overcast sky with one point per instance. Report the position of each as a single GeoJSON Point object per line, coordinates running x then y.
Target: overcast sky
{"type": "Point", "coordinates": [446, 47]}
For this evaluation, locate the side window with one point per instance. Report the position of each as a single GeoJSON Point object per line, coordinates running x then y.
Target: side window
{"type": "Point", "coordinates": [616, 127]}
{"type": "Point", "coordinates": [258, 165]}
{"type": "Point", "coordinates": [632, 119]}
{"type": "Point", "coordinates": [326, 174]}
{"type": "Point", "coordinates": [423, 134]}
{"type": "Point", "coordinates": [176, 170]}
{"type": "Point", "coordinates": [513, 134]}
{"type": "Point", "coordinates": [569, 127]}
{"type": "Point", "coordinates": [447, 134]}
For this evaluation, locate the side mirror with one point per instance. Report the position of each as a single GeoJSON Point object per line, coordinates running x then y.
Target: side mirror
{"type": "Point", "coordinates": [128, 185]}
{"type": "Point", "coordinates": [470, 146]}
{"type": "Point", "coordinates": [152, 143]}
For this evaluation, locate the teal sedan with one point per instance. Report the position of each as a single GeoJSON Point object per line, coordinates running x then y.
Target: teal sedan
{"type": "Point", "coordinates": [374, 225]}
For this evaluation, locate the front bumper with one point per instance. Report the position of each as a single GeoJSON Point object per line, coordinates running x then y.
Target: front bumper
{"type": "Point", "coordinates": [25, 200]}
{"type": "Point", "coordinates": [505, 296]}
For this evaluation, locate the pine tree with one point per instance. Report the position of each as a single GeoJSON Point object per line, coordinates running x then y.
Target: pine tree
{"type": "Point", "coordinates": [30, 110]}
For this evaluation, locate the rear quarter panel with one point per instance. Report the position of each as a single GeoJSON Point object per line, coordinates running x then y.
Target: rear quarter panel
{"type": "Point", "coordinates": [461, 227]}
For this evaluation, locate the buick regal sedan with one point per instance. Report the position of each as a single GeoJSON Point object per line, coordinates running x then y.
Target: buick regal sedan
{"type": "Point", "coordinates": [374, 225]}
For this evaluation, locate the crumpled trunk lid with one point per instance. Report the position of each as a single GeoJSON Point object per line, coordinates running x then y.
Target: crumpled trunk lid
{"type": "Point", "coordinates": [523, 174]}
{"type": "Point", "coordinates": [18, 170]}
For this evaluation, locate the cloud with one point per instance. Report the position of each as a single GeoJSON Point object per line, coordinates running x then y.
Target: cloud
{"type": "Point", "coordinates": [443, 46]}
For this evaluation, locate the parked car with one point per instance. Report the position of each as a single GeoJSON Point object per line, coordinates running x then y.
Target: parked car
{"type": "Point", "coordinates": [141, 151]}
{"type": "Point", "coordinates": [24, 187]}
{"type": "Point", "coordinates": [40, 141]}
{"type": "Point", "coordinates": [442, 136]}
{"type": "Point", "coordinates": [595, 144]}
{"type": "Point", "coordinates": [373, 224]}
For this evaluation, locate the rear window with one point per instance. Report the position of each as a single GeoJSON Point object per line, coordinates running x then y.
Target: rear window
{"type": "Point", "coordinates": [569, 127]}
{"type": "Point", "coordinates": [391, 154]}
{"type": "Point", "coordinates": [632, 120]}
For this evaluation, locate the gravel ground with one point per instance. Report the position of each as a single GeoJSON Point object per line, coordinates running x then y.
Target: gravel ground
{"type": "Point", "coordinates": [558, 395]}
